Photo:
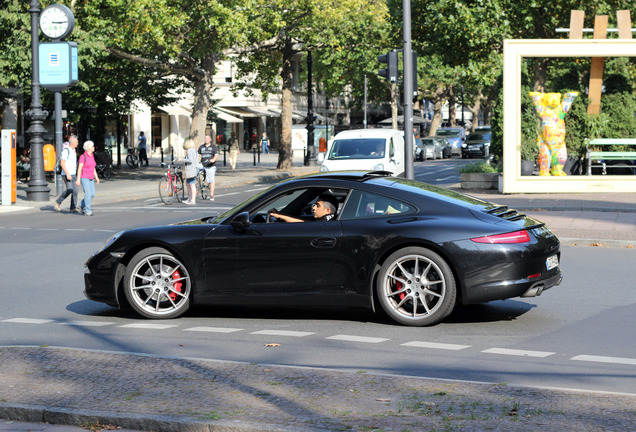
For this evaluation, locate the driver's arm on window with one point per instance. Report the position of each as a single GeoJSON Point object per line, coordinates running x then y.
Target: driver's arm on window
{"type": "Point", "coordinates": [285, 217]}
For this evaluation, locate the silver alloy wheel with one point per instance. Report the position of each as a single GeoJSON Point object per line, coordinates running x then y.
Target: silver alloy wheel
{"type": "Point", "coordinates": [416, 287]}
{"type": "Point", "coordinates": [157, 285]}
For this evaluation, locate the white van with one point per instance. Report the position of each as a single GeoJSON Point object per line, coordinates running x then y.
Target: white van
{"type": "Point", "coordinates": [367, 150]}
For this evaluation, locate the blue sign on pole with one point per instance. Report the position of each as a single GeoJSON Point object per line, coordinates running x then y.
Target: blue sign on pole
{"type": "Point", "coordinates": [58, 65]}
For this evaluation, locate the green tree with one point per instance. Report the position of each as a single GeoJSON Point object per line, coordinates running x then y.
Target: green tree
{"type": "Point", "coordinates": [337, 31]}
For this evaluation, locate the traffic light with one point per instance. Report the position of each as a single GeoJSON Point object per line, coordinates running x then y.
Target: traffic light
{"type": "Point", "coordinates": [414, 73]}
{"type": "Point", "coordinates": [391, 71]}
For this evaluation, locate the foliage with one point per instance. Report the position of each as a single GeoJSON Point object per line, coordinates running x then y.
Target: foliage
{"type": "Point", "coordinates": [480, 167]}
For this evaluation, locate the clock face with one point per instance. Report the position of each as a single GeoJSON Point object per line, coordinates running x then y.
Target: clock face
{"type": "Point", "coordinates": [57, 21]}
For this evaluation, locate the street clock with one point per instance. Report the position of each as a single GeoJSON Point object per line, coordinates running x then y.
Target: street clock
{"type": "Point", "coordinates": [57, 21]}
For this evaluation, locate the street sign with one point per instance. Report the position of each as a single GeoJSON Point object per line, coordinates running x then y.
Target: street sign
{"type": "Point", "coordinates": [58, 65]}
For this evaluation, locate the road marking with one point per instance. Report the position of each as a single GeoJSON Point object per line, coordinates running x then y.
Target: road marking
{"type": "Point", "coordinates": [434, 345]}
{"type": "Point", "coordinates": [213, 329]}
{"type": "Point", "coordinates": [27, 321]}
{"type": "Point", "coordinates": [282, 333]}
{"type": "Point", "coordinates": [20, 228]}
{"type": "Point", "coordinates": [514, 352]}
{"type": "Point", "coordinates": [446, 178]}
{"type": "Point", "coordinates": [602, 359]}
{"type": "Point", "coordinates": [87, 323]}
{"type": "Point", "coordinates": [149, 326]}
{"type": "Point", "coordinates": [75, 229]}
{"type": "Point", "coordinates": [48, 229]}
{"type": "Point", "coordinates": [363, 339]}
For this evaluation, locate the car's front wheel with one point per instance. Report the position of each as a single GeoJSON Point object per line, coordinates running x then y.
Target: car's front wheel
{"type": "Point", "coordinates": [157, 285]}
{"type": "Point", "coordinates": [416, 287]}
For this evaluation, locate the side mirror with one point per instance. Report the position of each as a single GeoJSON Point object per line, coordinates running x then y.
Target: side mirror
{"type": "Point", "coordinates": [241, 221]}
{"type": "Point", "coordinates": [320, 158]}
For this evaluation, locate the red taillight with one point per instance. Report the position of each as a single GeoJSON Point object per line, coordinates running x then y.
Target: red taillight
{"type": "Point", "coordinates": [513, 237]}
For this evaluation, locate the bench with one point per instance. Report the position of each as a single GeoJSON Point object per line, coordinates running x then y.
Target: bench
{"type": "Point", "coordinates": [602, 156]}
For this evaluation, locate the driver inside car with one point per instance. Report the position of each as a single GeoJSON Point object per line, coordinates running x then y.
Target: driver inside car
{"type": "Point", "coordinates": [324, 209]}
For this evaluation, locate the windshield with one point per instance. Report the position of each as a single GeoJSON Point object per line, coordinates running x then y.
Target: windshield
{"type": "Point", "coordinates": [358, 148]}
{"type": "Point", "coordinates": [453, 133]}
{"type": "Point", "coordinates": [479, 136]}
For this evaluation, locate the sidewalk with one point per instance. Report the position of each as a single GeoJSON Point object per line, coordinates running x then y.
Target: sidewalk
{"type": "Point", "coordinates": [599, 219]}
{"type": "Point", "coordinates": [103, 390]}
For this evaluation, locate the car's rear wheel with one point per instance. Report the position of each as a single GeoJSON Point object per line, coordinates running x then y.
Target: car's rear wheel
{"type": "Point", "coordinates": [416, 287]}
{"type": "Point", "coordinates": [157, 285]}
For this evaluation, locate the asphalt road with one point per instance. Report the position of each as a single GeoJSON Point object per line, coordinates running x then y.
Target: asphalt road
{"type": "Point", "coordinates": [576, 335]}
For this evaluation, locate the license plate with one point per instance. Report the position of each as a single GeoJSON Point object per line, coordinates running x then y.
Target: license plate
{"type": "Point", "coordinates": [552, 262]}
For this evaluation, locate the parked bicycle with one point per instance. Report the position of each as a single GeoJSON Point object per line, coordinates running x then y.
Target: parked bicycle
{"type": "Point", "coordinates": [132, 160]}
{"type": "Point", "coordinates": [171, 185]}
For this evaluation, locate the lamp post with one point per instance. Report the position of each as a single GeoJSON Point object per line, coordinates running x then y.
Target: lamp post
{"type": "Point", "coordinates": [38, 189]}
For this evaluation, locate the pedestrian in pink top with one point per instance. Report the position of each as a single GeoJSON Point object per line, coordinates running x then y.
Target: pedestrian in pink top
{"type": "Point", "coordinates": [87, 176]}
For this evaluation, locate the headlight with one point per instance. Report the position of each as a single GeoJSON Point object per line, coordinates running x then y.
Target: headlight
{"type": "Point", "coordinates": [323, 168]}
{"type": "Point", "coordinates": [110, 241]}
{"type": "Point", "coordinates": [464, 145]}
{"type": "Point", "coordinates": [378, 167]}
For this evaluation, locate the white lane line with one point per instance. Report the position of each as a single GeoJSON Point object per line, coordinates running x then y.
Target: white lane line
{"type": "Point", "coordinates": [20, 228]}
{"type": "Point", "coordinates": [521, 353]}
{"type": "Point", "coordinates": [435, 345]}
{"type": "Point", "coordinates": [27, 321]}
{"type": "Point", "coordinates": [149, 326]}
{"type": "Point", "coordinates": [602, 359]}
{"type": "Point", "coordinates": [48, 229]}
{"type": "Point", "coordinates": [75, 229]}
{"type": "Point", "coordinates": [213, 329]}
{"type": "Point", "coordinates": [87, 323]}
{"type": "Point", "coordinates": [282, 333]}
{"type": "Point", "coordinates": [364, 339]}
{"type": "Point", "coordinates": [446, 178]}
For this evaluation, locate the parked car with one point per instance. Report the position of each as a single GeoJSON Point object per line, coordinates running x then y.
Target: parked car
{"type": "Point", "coordinates": [412, 249]}
{"type": "Point", "coordinates": [432, 148]}
{"type": "Point", "coordinates": [447, 151]}
{"type": "Point", "coordinates": [456, 137]}
{"type": "Point", "coordinates": [477, 144]}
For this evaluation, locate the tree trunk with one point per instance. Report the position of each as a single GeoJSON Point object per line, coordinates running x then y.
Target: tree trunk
{"type": "Point", "coordinates": [474, 109]}
{"type": "Point", "coordinates": [539, 76]}
{"type": "Point", "coordinates": [452, 112]}
{"type": "Point", "coordinates": [202, 101]}
{"type": "Point", "coordinates": [285, 150]}
{"type": "Point", "coordinates": [436, 99]}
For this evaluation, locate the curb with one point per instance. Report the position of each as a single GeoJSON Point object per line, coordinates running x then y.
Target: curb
{"type": "Point", "coordinates": [80, 417]}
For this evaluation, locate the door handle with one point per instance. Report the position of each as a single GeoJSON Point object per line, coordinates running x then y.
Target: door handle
{"type": "Point", "coordinates": [324, 242]}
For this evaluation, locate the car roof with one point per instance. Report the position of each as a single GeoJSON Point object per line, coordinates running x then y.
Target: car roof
{"type": "Point", "coordinates": [348, 175]}
{"type": "Point", "coordinates": [367, 133]}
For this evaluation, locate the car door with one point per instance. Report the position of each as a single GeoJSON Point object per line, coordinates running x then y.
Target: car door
{"type": "Point", "coordinates": [289, 259]}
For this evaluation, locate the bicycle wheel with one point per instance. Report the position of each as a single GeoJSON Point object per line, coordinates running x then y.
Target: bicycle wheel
{"type": "Point", "coordinates": [167, 191]}
{"type": "Point", "coordinates": [130, 161]}
{"type": "Point", "coordinates": [178, 188]}
{"type": "Point", "coordinates": [203, 186]}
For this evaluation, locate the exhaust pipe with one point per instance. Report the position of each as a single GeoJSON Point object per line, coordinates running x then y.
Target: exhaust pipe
{"type": "Point", "coordinates": [535, 290]}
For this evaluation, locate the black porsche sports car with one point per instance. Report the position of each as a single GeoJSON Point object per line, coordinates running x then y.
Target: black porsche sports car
{"type": "Point", "coordinates": [414, 249]}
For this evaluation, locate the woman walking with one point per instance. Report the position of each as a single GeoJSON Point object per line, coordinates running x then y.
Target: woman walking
{"type": "Point", "coordinates": [87, 177]}
{"type": "Point", "coordinates": [191, 159]}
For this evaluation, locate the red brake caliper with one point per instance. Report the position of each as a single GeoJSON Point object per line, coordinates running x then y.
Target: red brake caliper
{"type": "Point", "coordinates": [176, 285]}
{"type": "Point", "coordinates": [399, 286]}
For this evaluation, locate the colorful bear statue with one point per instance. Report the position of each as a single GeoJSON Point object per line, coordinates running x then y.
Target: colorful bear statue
{"type": "Point", "coordinates": [552, 150]}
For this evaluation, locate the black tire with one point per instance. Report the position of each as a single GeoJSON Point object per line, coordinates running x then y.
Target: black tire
{"type": "Point", "coordinates": [131, 161]}
{"type": "Point", "coordinates": [166, 191]}
{"type": "Point", "coordinates": [416, 275]}
{"type": "Point", "coordinates": [180, 193]}
{"type": "Point", "coordinates": [106, 174]}
{"type": "Point", "coordinates": [157, 285]}
{"type": "Point", "coordinates": [204, 188]}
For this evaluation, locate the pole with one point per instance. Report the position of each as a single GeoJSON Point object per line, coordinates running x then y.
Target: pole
{"type": "Point", "coordinates": [38, 188]}
{"type": "Point", "coordinates": [310, 159]}
{"type": "Point", "coordinates": [408, 91]}
{"type": "Point", "coordinates": [365, 101]}
{"type": "Point", "coordinates": [59, 186]}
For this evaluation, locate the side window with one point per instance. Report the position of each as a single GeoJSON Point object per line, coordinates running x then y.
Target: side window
{"type": "Point", "coordinates": [369, 205]}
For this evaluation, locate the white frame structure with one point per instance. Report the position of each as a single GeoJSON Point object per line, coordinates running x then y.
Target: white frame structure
{"type": "Point", "coordinates": [514, 52]}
